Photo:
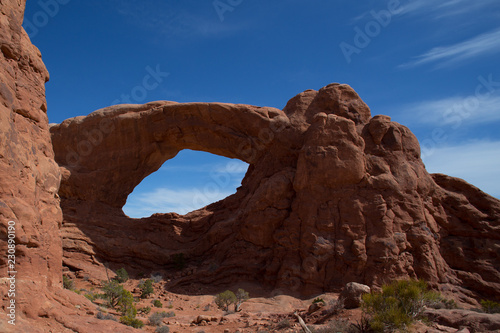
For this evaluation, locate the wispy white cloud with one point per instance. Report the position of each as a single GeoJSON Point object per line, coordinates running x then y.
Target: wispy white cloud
{"type": "Point", "coordinates": [446, 55]}
{"type": "Point", "coordinates": [454, 111]}
{"type": "Point", "coordinates": [231, 167]}
{"type": "Point", "coordinates": [170, 20]}
{"type": "Point", "coordinates": [435, 9]}
{"type": "Point", "coordinates": [182, 201]}
{"type": "Point", "coordinates": [221, 181]}
{"type": "Point", "coordinates": [476, 162]}
{"type": "Point", "coordinates": [438, 9]}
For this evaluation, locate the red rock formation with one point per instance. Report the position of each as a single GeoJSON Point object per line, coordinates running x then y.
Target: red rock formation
{"type": "Point", "coordinates": [332, 196]}
{"type": "Point", "coordinates": [29, 184]}
{"type": "Point", "coordinates": [29, 177]}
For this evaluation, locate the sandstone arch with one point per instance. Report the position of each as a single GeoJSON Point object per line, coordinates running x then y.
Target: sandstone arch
{"type": "Point", "coordinates": [332, 195]}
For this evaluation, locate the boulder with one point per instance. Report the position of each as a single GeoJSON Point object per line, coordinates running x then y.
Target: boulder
{"type": "Point", "coordinates": [352, 293]}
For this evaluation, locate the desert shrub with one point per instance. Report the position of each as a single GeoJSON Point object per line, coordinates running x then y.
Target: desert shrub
{"type": "Point", "coordinates": [156, 277]}
{"type": "Point", "coordinates": [318, 300]}
{"type": "Point", "coordinates": [106, 316]}
{"type": "Point", "coordinates": [162, 329]}
{"type": "Point", "coordinates": [68, 283]}
{"type": "Point", "coordinates": [335, 326]}
{"type": "Point", "coordinates": [157, 303]}
{"type": "Point", "coordinates": [168, 314]}
{"type": "Point", "coordinates": [362, 325]}
{"type": "Point", "coordinates": [146, 288]}
{"type": "Point", "coordinates": [121, 275]}
{"type": "Point", "coordinates": [441, 303]}
{"type": "Point", "coordinates": [92, 296]}
{"type": "Point", "coordinates": [131, 321]}
{"type": "Point", "coordinates": [157, 318]}
{"type": "Point", "coordinates": [398, 305]}
{"type": "Point", "coordinates": [225, 299]}
{"type": "Point", "coordinates": [179, 261]}
{"type": "Point", "coordinates": [145, 310]}
{"type": "Point", "coordinates": [126, 304]}
{"type": "Point", "coordinates": [241, 296]}
{"type": "Point", "coordinates": [490, 306]}
{"type": "Point", "coordinates": [283, 324]}
{"type": "Point", "coordinates": [112, 292]}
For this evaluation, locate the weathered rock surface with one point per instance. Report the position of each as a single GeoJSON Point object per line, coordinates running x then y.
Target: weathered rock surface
{"type": "Point", "coordinates": [29, 176]}
{"type": "Point", "coordinates": [460, 319]}
{"type": "Point", "coordinates": [351, 294]}
{"type": "Point", "coordinates": [29, 184]}
{"type": "Point", "coordinates": [332, 195]}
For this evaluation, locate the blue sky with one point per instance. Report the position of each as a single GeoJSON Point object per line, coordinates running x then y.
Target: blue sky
{"type": "Point", "coordinates": [431, 65]}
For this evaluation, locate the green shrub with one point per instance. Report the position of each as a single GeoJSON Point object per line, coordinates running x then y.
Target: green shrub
{"type": "Point", "coordinates": [398, 305]}
{"type": "Point", "coordinates": [68, 283]}
{"type": "Point", "coordinates": [318, 300]}
{"type": "Point", "coordinates": [91, 296]}
{"type": "Point", "coordinates": [490, 306]}
{"type": "Point", "coordinates": [146, 288]}
{"type": "Point", "coordinates": [157, 303]}
{"type": "Point", "coordinates": [162, 329]}
{"type": "Point", "coordinates": [121, 275]}
{"type": "Point", "coordinates": [126, 304]}
{"type": "Point", "coordinates": [145, 310]}
{"type": "Point", "coordinates": [241, 296]}
{"type": "Point", "coordinates": [117, 296]}
{"type": "Point", "coordinates": [112, 292]}
{"type": "Point", "coordinates": [225, 299]}
{"type": "Point", "coordinates": [131, 321]}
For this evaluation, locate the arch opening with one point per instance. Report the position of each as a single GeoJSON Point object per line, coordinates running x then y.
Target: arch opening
{"type": "Point", "coordinates": [187, 182]}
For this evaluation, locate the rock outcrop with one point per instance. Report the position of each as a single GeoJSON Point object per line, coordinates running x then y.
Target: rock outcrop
{"type": "Point", "coordinates": [29, 201]}
{"type": "Point", "coordinates": [29, 176]}
{"type": "Point", "coordinates": [332, 195]}
{"type": "Point", "coordinates": [458, 318]}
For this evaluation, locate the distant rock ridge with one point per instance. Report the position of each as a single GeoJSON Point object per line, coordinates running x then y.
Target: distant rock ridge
{"type": "Point", "coordinates": [332, 195]}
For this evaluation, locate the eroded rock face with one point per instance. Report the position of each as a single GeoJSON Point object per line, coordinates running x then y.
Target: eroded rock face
{"type": "Point", "coordinates": [29, 176]}
{"type": "Point", "coordinates": [332, 196]}
{"type": "Point", "coordinates": [29, 184]}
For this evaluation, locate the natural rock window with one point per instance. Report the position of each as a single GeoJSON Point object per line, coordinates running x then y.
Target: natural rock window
{"type": "Point", "coordinates": [191, 180]}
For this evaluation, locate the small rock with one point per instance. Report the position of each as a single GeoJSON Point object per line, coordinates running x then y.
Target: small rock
{"type": "Point", "coordinates": [463, 330]}
{"type": "Point", "coordinates": [315, 307]}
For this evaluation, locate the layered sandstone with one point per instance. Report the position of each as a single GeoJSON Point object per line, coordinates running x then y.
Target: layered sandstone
{"type": "Point", "coordinates": [29, 200]}
{"type": "Point", "coordinates": [332, 195]}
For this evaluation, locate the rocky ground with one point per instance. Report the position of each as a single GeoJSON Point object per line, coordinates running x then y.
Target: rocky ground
{"type": "Point", "coordinates": [196, 311]}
